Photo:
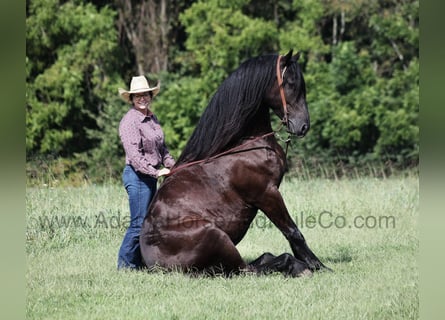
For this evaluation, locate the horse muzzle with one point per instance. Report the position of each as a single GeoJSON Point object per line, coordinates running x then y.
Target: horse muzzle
{"type": "Point", "coordinates": [298, 128]}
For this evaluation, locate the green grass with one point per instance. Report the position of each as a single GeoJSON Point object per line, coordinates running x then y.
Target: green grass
{"type": "Point", "coordinates": [71, 267]}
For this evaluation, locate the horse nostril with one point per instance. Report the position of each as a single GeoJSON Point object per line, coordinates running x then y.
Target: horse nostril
{"type": "Point", "coordinates": [304, 129]}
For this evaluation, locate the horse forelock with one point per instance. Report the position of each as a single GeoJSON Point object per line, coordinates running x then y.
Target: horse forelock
{"type": "Point", "coordinates": [234, 103]}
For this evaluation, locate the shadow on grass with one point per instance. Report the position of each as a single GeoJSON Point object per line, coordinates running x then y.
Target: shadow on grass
{"type": "Point", "coordinates": [218, 271]}
{"type": "Point", "coordinates": [341, 254]}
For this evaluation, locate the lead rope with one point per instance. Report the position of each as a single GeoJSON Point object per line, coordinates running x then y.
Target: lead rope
{"type": "Point", "coordinates": [231, 150]}
{"type": "Point", "coordinates": [286, 141]}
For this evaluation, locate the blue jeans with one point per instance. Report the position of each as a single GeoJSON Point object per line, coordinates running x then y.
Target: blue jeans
{"type": "Point", "coordinates": [141, 189]}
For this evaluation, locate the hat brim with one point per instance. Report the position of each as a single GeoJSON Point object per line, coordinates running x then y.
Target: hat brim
{"type": "Point", "coordinates": [125, 94]}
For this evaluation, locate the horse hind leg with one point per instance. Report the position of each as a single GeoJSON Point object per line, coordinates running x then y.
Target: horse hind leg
{"type": "Point", "coordinates": [216, 253]}
{"type": "Point", "coordinates": [285, 263]}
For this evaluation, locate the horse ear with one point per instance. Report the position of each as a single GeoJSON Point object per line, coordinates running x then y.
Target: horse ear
{"type": "Point", "coordinates": [297, 56]}
{"type": "Point", "coordinates": [288, 56]}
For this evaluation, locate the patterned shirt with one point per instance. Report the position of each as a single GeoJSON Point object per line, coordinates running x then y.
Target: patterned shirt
{"type": "Point", "coordinates": [143, 142]}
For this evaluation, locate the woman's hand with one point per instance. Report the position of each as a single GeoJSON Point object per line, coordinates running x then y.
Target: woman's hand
{"type": "Point", "coordinates": [163, 172]}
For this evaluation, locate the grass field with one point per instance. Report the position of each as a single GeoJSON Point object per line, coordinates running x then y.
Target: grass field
{"type": "Point", "coordinates": [365, 229]}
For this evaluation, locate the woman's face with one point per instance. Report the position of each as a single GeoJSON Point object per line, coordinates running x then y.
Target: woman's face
{"type": "Point", "coordinates": [141, 101]}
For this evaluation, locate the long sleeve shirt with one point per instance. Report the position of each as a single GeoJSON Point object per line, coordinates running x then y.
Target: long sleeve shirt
{"type": "Point", "coordinates": [143, 142]}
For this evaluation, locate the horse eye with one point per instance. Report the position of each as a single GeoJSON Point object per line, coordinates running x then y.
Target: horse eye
{"type": "Point", "coordinates": [290, 80]}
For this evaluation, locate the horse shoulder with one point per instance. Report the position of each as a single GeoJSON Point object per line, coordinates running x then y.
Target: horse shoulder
{"type": "Point", "coordinates": [254, 172]}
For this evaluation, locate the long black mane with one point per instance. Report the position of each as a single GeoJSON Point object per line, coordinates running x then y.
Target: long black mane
{"type": "Point", "coordinates": [230, 109]}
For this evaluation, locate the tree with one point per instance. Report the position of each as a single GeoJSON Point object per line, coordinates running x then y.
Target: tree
{"type": "Point", "coordinates": [151, 27]}
{"type": "Point", "coordinates": [363, 94]}
{"type": "Point", "coordinates": [230, 37]}
{"type": "Point", "coordinates": [70, 65]}
{"type": "Point", "coordinates": [359, 58]}
{"type": "Point", "coordinates": [146, 25]}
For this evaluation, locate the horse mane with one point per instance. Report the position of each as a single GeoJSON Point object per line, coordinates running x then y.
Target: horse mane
{"type": "Point", "coordinates": [230, 109]}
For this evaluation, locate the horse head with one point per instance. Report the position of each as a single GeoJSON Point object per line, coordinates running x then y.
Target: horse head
{"type": "Point", "coordinates": [288, 96]}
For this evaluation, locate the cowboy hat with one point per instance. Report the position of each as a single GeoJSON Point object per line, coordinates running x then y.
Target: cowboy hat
{"type": "Point", "coordinates": [138, 84]}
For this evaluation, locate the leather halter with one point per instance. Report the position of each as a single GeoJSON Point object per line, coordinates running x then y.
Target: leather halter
{"type": "Point", "coordinates": [280, 85]}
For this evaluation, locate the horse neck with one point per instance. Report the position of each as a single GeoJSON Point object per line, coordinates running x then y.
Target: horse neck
{"type": "Point", "coordinates": [260, 123]}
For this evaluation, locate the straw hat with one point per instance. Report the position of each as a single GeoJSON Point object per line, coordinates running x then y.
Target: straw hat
{"type": "Point", "coordinates": [138, 84]}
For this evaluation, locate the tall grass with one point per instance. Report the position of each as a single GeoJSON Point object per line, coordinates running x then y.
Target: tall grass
{"type": "Point", "coordinates": [56, 171]}
{"type": "Point", "coordinates": [365, 229]}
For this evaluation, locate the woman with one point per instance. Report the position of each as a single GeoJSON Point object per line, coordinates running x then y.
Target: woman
{"type": "Point", "coordinates": [146, 158]}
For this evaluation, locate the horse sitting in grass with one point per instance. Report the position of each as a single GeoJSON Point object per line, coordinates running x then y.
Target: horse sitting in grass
{"type": "Point", "coordinates": [231, 167]}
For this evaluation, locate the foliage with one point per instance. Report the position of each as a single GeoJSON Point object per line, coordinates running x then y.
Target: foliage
{"type": "Point", "coordinates": [360, 61]}
{"type": "Point", "coordinates": [231, 36]}
{"type": "Point", "coordinates": [363, 96]}
{"type": "Point", "coordinates": [178, 107]}
{"type": "Point", "coordinates": [69, 67]}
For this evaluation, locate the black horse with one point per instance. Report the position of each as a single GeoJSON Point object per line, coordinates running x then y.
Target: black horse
{"type": "Point", "coordinates": [231, 167]}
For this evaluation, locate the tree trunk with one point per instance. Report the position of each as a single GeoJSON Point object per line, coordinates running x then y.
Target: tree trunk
{"type": "Point", "coordinates": [146, 25]}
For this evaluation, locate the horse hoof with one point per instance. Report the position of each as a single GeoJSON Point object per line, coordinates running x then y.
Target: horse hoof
{"type": "Point", "coordinates": [305, 273]}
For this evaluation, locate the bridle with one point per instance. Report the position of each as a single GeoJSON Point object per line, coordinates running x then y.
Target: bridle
{"type": "Point", "coordinates": [280, 76]}
{"type": "Point", "coordinates": [285, 120]}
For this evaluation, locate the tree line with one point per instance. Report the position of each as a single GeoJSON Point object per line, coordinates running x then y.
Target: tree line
{"type": "Point", "coordinates": [360, 60]}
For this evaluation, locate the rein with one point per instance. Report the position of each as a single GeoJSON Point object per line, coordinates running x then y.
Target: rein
{"type": "Point", "coordinates": [234, 149]}
{"type": "Point", "coordinates": [231, 150]}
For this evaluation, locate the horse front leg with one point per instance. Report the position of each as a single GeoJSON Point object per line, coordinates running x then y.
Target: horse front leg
{"type": "Point", "coordinates": [272, 204]}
